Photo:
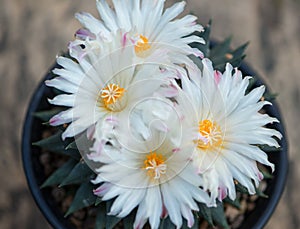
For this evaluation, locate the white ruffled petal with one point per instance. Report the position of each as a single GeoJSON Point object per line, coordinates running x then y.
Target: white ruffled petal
{"type": "Point", "coordinates": [63, 100]}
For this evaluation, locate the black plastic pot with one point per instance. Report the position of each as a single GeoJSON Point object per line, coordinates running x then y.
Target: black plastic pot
{"type": "Point", "coordinates": [32, 132]}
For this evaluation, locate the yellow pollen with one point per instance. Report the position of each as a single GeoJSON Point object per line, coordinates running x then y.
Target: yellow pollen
{"type": "Point", "coordinates": [211, 133]}
{"type": "Point", "coordinates": [142, 45]}
{"type": "Point", "coordinates": [155, 165]}
{"type": "Point", "coordinates": [111, 93]}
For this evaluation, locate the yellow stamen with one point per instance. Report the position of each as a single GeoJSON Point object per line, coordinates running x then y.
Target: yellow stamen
{"type": "Point", "coordinates": [111, 93]}
{"type": "Point", "coordinates": [155, 165]}
{"type": "Point", "coordinates": [142, 45]}
{"type": "Point", "coordinates": [211, 133]}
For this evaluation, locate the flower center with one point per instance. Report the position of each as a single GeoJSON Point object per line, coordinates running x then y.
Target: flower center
{"type": "Point", "coordinates": [211, 135]}
{"type": "Point", "coordinates": [155, 165]}
{"type": "Point", "coordinates": [111, 93]}
{"type": "Point", "coordinates": [142, 45]}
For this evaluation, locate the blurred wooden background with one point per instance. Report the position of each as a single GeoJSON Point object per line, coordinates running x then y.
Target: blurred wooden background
{"type": "Point", "coordinates": [33, 32]}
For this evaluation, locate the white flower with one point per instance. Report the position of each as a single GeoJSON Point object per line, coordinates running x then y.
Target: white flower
{"type": "Point", "coordinates": [226, 129]}
{"type": "Point", "coordinates": [158, 181]}
{"type": "Point", "coordinates": [153, 31]}
{"type": "Point", "coordinates": [101, 85]}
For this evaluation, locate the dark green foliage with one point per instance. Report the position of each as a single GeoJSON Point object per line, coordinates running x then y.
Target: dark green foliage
{"type": "Point", "coordinates": [251, 85]}
{"type": "Point", "coordinates": [55, 144]}
{"type": "Point", "coordinates": [72, 145]}
{"type": "Point", "coordinates": [84, 197]}
{"type": "Point", "coordinates": [166, 224]}
{"type": "Point", "coordinates": [129, 220]}
{"type": "Point", "coordinates": [218, 215]}
{"type": "Point", "coordinates": [242, 189]}
{"type": "Point", "coordinates": [79, 174]}
{"type": "Point", "coordinates": [101, 215]}
{"type": "Point", "coordinates": [98, 201]}
{"type": "Point", "coordinates": [46, 115]}
{"type": "Point", "coordinates": [270, 96]}
{"type": "Point", "coordinates": [205, 212]}
{"type": "Point", "coordinates": [111, 221]}
{"type": "Point", "coordinates": [266, 174]}
{"type": "Point", "coordinates": [260, 193]}
{"type": "Point", "coordinates": [235, 203]}
{"type": "Point", "coordinates": [221, 54]}
{"type": "Point", "coordinates": [268, 149]}
{"type": "Point", "coordinates": [60, 174]}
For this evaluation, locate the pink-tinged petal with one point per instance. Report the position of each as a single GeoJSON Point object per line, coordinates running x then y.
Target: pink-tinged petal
{"type": "Point", "coordinates": [162, 70]}
{"type": "Point", "coordinates": [141, 216]}
{"type": "Point", "coordinates": [97, 149]}
{"type": "Point", "coordinates": [179, 74]}
{"type": "Point", "coordinates": [76, 50]}
{"type": "Point", "coordinates": [198, 53]}
{"type": "Point", "coordinates": [124, 40]}
{"type": "Point", "coordinates": [175, 150]}
{"type": "Point", "coordinates": [56, 121]}
{"type": "Point", "coordinates": [172, 205]}
{"type": "Point", "coordinates": [140, 224]}
{"type": "Point", "coordinates": [90, 132]}
{"type": "Point", "coordinates": [170, 91]}
{"type": "Point", "coordinates": [100, 191]}
{"type": "Point", "coordinates": [112, 120]}
{"type": "Point", "coordinates": [164, 213]}
{"type": "Point", "coordinates": [260, 176]}
{"type": "Point", "coordinates": [188, 215]}
{"type": "Point", "coordinates": [222, 193]}
{"type": "Point", "coordinates": [159, 125]}
{"type": "Point", "coordinates": [61, 118]}
{"type": "Point", "coordinates": [154, 203]}
{"type": "Point", "coordinates": [217, 76]}
{"type": "Point", "coordinates": [83, 34]}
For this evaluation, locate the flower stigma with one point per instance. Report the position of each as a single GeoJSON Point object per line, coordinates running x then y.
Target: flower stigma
{"type": "Point", "coordinates": [111, 93]}
{"type": "Point", "coordinates": [211, 133]}
{"type": "Point", "coordinates": [142, 45]}
{"type": "Point", "coordinates": [155, 165]}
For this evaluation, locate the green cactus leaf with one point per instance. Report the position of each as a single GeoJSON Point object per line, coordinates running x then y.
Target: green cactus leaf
{"type": "Point", "coordinates": [79, 174]}
{"type": "Point", "coordinates": [46, 115]}
{"type": "Point", "coordinates": [101, 216]}
{"type": "Point", "coordinates": [269, 149]}
{"type": "Point", "coordinates": [242, 189]}
{"type": "Point", "coordinates": [261, 193]}
{"type": "Point", "coordinates": [166, 224]}
{"type": "Point", "coordinates": [55, 144]}
{"type": "Point", "coordinates": [60, 174]}
{"type": "Point", "coordinates": [206, 213]}
{"type": "Point", "coordinates": [235, 203]}
{"type": "Point", "coordinates": [128, 221]}
{"type": "Point", "coordinates": [111, 221]}
{"type": "Point", "coordinates": [84, 197]}
{"type": "Point", "coordinates": [218, 215]}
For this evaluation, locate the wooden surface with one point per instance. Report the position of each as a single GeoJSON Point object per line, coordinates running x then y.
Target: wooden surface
{"type": "Point", "coordinates": [33, 32]}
